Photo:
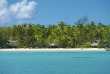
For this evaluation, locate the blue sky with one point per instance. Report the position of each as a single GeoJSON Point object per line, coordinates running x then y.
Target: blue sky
{"type": "Point", "coordinates": [53, 11]}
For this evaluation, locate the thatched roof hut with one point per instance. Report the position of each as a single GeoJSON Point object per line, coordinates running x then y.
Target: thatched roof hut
{"type": "Point", "coordinates": [12, 44]}
{"type": "Point", "coordinates": [96, 42]}
{"type": "Point", "coordinates": [52, 45]}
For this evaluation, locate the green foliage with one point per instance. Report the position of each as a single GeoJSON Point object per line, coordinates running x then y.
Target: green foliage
{"type": "Point", "coordinates": [88, 44]}
{"type": "Point", "coordinates": [62, 35]}
{"type": "Point", "coordinates": [5, 33]}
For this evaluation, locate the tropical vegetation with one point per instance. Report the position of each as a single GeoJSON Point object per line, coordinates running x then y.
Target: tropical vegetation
{"type": "Point", "coordinates": [63, 35]}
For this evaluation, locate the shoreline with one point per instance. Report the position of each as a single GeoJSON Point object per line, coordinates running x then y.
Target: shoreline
{"type": "Point", "coordinates": [53, 49]}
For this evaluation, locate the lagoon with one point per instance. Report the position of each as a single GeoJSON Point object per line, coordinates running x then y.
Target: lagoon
{"type": "Point", "coordinates": [75, 62]}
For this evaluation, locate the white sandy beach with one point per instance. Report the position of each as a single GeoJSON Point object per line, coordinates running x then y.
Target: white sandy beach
{"type": "Point", "coordinates": [54, 49]}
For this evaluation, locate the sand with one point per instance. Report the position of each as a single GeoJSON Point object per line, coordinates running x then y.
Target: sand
{"type": "Point", "coordinates": [54, 49]}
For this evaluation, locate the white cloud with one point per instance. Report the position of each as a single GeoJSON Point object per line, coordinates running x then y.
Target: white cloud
{"type": "Point", "coordinates": [3, 11]}
{"type": "Point", "coordinates": [26, 11]}
{"type": "Point", "coordinates": [15, 7]}
{"type": "Point", "coordinates": [3, 3]}
{"type": "Point", "coordinates": [20, 10]}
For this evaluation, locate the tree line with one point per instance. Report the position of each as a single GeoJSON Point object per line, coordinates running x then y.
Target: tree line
{"type": "Point", "coordinates": [62, 35]}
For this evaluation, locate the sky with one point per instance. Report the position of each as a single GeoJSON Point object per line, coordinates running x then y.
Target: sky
{"type": "Point", "coordinates": [47, 12]}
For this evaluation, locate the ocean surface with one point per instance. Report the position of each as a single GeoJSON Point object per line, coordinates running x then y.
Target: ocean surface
{"type": "Point", "coordinates": [84, 62]}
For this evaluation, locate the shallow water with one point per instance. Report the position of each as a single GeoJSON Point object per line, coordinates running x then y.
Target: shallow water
{"type": "Point", "coordinates": [84, 62]}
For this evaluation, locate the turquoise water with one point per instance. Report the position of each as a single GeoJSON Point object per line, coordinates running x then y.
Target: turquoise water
{"type": "Point", "coordinates": [55, 62]}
